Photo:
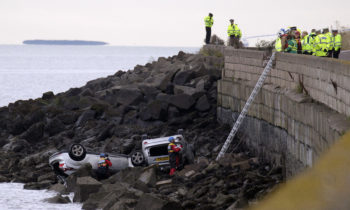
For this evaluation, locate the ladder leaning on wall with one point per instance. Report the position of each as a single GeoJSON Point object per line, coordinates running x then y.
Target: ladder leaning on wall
{"type": "Point", "coordinates": [251, 98]}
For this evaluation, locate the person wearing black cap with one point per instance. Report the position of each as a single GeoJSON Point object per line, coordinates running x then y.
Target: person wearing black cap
{"type": "Point", "coordinates": [337, 44]}
{"type": "Point", "coordinates": [209, 22]}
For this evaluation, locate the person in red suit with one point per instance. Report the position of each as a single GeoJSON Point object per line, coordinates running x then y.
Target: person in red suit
{"type": "Point", "coordinates": [173, 151]}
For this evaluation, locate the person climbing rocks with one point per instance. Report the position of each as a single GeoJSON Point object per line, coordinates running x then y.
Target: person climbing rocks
{"type": "Point", "coordinates": [209, 22]}
{"type": "Point", "coordinates": [103, 167]}
{"type": "Point", "coordinates": [174, 158]}
{"type": "Point", "coordinates": [234, 34]}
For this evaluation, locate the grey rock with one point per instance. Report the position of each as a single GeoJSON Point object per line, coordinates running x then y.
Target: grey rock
{"type": "Point", "coordinates": [54, 127]}
{"type": "Point", "coordinates": [128, 96]}
{"type": "Point", "coordinates": [183, 76]}
{"type": "Point", "coordinates": [37, 185]}
{"type": "Point", "coordinates": [84, 117]}
{"type": "Point", "coordinates": [84, 187]}
{"type": "Point", "coordinates": [156, 110]}
{"type": "Point", "coordinates": [150, 201]}
{"type": "Point", "coordinates": [203, 104]}
{"type": "Point", "coordinates": [48, 95]}
{"type": "Point", "coordinates": [148, 177]}
{"type": "Point", "coordinates": [182, 101]}
{"type": "Point", "coordinates": [34, 133]}
{"type": "Point", "coordinates": [58, 199]}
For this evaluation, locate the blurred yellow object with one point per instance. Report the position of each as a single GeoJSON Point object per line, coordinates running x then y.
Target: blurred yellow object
{"type": "Point", "coordinates": [325, 186]}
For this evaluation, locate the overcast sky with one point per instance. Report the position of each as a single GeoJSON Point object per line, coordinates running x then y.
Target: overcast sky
{"type": "Point", "coordinates": [159, 22]}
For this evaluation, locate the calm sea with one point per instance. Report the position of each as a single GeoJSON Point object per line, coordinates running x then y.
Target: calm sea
{"type": "Point", "coordinates": [27, 71]}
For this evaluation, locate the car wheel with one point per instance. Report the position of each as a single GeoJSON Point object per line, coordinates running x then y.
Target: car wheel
{"type": "Point", "coordinates": [137, 158]}
{"type": "Point", "coordinates": [77, 152]}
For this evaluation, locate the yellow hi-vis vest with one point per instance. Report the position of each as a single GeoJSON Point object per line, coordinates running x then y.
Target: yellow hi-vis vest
{"type": "Point", "coordinates": [278, 45]}
{"type": "Point", "coordinates": [209, 21]}
{"type": "Point", "coordinates": [234, 30]}
{"type": "Point", "coordinates": [170, 150]}
{"type": "Point", "coordinates": [321, 45]}
{"type": "Point", "coordinates": [337, 42]}
{"type": "Point", "coordinates": [331, 40]}
{"type": "Point", "coordinates": [306, 44]}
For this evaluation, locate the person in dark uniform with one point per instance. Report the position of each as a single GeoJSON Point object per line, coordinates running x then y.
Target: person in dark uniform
{"type": "Point", "coordinates": [209, 21]}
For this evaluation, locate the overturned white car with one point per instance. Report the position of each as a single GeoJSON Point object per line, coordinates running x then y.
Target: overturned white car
{"type": "Point", "coordinates": [154, 151]}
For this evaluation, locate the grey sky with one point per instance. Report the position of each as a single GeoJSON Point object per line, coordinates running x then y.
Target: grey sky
{"type": "Point", "coordinates": [158, 22]}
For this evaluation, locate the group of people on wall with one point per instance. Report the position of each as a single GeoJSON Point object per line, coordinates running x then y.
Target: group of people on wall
{"type": "Point", "coordinates": [290, 40]}
{"type": "Point", "coordinates": [233, 31]}
{"type": "Point", "coordinates": [325, 44]}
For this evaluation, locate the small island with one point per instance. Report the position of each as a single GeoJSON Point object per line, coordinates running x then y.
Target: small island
{"type": "Point", "coordinates": [63, 42]}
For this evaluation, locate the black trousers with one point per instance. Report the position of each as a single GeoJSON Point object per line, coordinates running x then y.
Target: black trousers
{"type": "Point", "coordinates": [172, 159]}
{"type": "Point", "coordinates": [330, 53]}
{"type": "Point", "coordinates": [207, 37]}
{"type": "Point", "coordinates": [307, 53]}
{"type": "Point", "coordinates": [336, 54]}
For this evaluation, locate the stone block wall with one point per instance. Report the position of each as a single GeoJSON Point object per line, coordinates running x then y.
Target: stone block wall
{"type": "Point", "coordinates": [296, 116]}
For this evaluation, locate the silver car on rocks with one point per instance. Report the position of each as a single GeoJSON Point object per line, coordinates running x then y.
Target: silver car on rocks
{"type": "Point", "coordinates": [66, 162]}
{"type": "Point", "coordinates": [155, 151]}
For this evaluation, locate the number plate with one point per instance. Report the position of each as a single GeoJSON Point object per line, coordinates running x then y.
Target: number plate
{"type": "Point", "coordinates": [162, 159]}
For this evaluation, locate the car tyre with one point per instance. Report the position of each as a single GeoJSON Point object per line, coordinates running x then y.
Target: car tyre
{"type": "Point", "coordinates": [77, 152]}
{"type": "Point", "coordinates": [137, 158]}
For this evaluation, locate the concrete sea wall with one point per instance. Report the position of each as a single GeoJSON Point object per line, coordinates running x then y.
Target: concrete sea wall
{"type": "Point", "coordinates": [301, 111]}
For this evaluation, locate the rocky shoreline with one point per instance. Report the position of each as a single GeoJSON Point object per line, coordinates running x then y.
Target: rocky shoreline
{"type": "Point", "coordinates": [110, 115]}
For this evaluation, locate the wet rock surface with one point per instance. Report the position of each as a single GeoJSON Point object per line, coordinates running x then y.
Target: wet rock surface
{"type": "Point", "coordinates": [110, 115]}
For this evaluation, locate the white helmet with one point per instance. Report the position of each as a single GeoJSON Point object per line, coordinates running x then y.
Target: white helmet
{"type": "Point", "coordinates": [281, 32]}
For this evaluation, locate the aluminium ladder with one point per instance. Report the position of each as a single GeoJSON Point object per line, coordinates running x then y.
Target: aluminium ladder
{"type": "Point", "coordinates": [251, 98]}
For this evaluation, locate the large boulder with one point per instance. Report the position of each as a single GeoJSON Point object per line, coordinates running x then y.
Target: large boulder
{"type": "Point", "coordinates": [182, 101]}
{"type": "Point", "coordinates": [83, 171]}
{"type": "Point", "coordinates": [148, 177]}
{"type": "Point", "coordinates": [58, 199]}
{"type": "Point", "coordinates": [84, 117]}
{"type": "Point", "coordinates": [84, 187]}
{"type": "Point", "coordinates": [150, 201]}
{"type": "Point", "coordinates": [129, 96]}
{"type": "Point", "coordinates": [156, 110]}
{"type": "Point", "coordinates": [34, 133]}
{"type": "Point", "coordinates": [203, 104]}
{"type": "Point", "coordinates": [184, 76]}
{"type": "Point", "coordinates": [54, 127]}
{"type": "Point", "coordinates": [16, 145]}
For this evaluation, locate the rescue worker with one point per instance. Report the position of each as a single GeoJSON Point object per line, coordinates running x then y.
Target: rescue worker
{"type": "Point", "coordinates": [279, 47]}
{"type": "Point", "coordinates": [337, 44]}
{"type": "Point", "coordinates": [306, 43]}
{"type": "Point", "coordinates": [209, 21]}
{"type": "Point", "coordinates": [331, 42]}
{"type": "Point", "coordinates": [103, 167]}
{"type": "Point", "coordinates": [298, 40]}
{"type": "Point", "coordinates": [173, 152]}
{"type": "Point", "coordinates": [234, 34]}
{"type": "Point", "coordinates": [322, 44]}
{"type": "Point", "coordinates": [292, 44]}
{"type": "Point", "coordinates": [316, 41]}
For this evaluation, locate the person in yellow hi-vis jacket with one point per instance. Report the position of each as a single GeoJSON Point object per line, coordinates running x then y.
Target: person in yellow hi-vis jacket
{"type": "Point", "coordinates": [322, 44]}
{"type": "Point", "coordinates": [234, 34]}
{"type": "Point", "coordinates": [209, 22]}
{"type": "Point", "coordinates": [337, 44]}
